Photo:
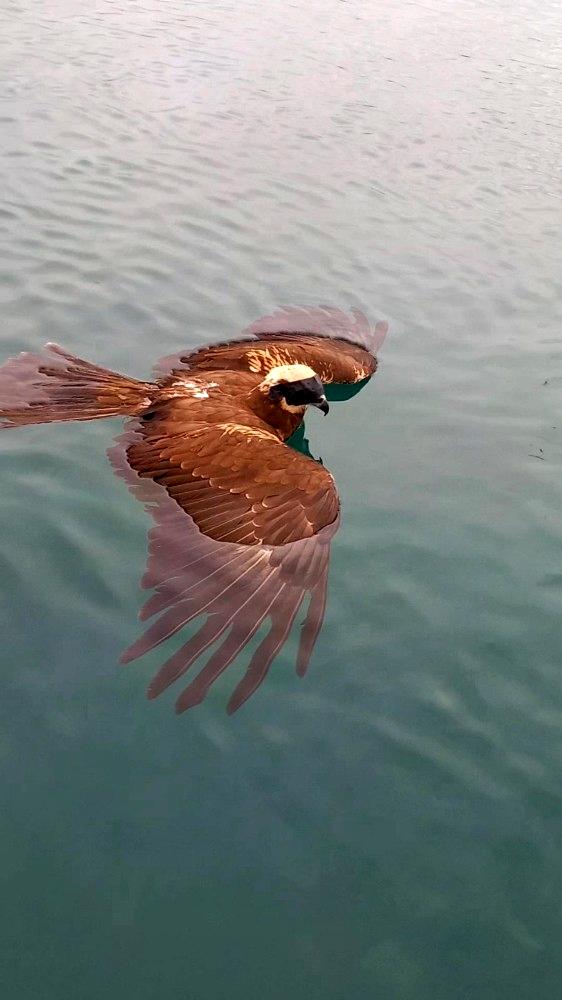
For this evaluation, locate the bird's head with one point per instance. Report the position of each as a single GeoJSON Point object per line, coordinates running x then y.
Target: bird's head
{"type": "Point", "coordinates": [294, 387]}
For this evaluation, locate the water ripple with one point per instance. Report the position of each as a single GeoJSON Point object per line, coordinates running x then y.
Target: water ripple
{"type": "Point", "coordinates": [165, 180]}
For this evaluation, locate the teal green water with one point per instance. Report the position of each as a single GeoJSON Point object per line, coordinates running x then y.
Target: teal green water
{"type": "Point", "coordinates": [390, 826]}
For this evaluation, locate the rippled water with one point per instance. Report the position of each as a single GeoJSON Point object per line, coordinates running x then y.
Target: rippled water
{"type": "Point", "coordinates": [392, 825]}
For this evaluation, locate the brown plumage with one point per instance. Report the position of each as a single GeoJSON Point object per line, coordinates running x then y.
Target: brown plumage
{"type": "Point", "coordinates": [243, 523]}
{"type": "Point", "coordinates": [338, 348]}
{"type": "Point", "coordinates": [216, 445]}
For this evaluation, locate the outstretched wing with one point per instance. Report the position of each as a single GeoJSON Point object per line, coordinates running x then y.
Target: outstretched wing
{"type": "Point", "coordinates": [238, 482]}
{"type": "Point", "coordinates": [341, 348]}
{"type": "Point", "coordinates": [227, 589]}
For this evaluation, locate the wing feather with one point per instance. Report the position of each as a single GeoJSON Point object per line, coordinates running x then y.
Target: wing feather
{"type": "Point", "coordinates": [226, 590]}
{"type": "Point", "coordinates": [253, 491]}
{"type": "Point", "coordinates": [341, 348]}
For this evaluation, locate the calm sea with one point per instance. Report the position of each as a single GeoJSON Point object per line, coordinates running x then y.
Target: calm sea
{"type": "Point", "coordinates": [390, 827]}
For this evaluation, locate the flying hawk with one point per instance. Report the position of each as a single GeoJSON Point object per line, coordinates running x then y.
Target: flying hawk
{"type": "Point", "coordinates": [243, 522]}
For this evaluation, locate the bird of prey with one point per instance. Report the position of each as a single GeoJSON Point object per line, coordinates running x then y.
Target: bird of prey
{"type": "Point", "coordinates": [243, 522]}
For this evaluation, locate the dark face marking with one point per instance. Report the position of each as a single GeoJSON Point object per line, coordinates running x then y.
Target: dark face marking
{"type": "Point", "coordinates": [304, 392]}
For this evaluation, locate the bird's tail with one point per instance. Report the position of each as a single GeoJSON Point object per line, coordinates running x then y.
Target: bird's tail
{"type": "Point", "coordinates": [54, 385]}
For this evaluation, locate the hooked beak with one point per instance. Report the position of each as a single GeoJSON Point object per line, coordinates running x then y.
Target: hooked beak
{"type": "Point", "coordinates": [322, 404]}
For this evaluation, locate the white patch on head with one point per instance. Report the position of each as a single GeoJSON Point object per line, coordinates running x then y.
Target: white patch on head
{"type": "Point", "coordinates": [288, 373]}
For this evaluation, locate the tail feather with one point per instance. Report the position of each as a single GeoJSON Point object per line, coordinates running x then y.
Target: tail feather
{"type": "Point", "coordinates": [54, 385]}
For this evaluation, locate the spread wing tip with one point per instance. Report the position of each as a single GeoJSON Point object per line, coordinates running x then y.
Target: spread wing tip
{"type": "Point", "coordinates": [288, 322]}
{"type": "Point", "coordinates": [323, 321]}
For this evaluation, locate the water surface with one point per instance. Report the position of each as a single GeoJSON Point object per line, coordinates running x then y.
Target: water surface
{"type": "Point", "coordinates": [391, 826]}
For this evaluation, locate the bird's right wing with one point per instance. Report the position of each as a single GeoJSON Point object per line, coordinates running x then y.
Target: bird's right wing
{"type": "Point", "coordinates": [237, 481]}
{"type": "Point", "coordinates": [228, 591]}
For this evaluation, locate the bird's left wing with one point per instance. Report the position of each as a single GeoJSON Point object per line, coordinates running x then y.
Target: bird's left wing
{"type": "Point", "coordinates": [228, 589]}
{"type": "Point", "coordinates": [340, 348]}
